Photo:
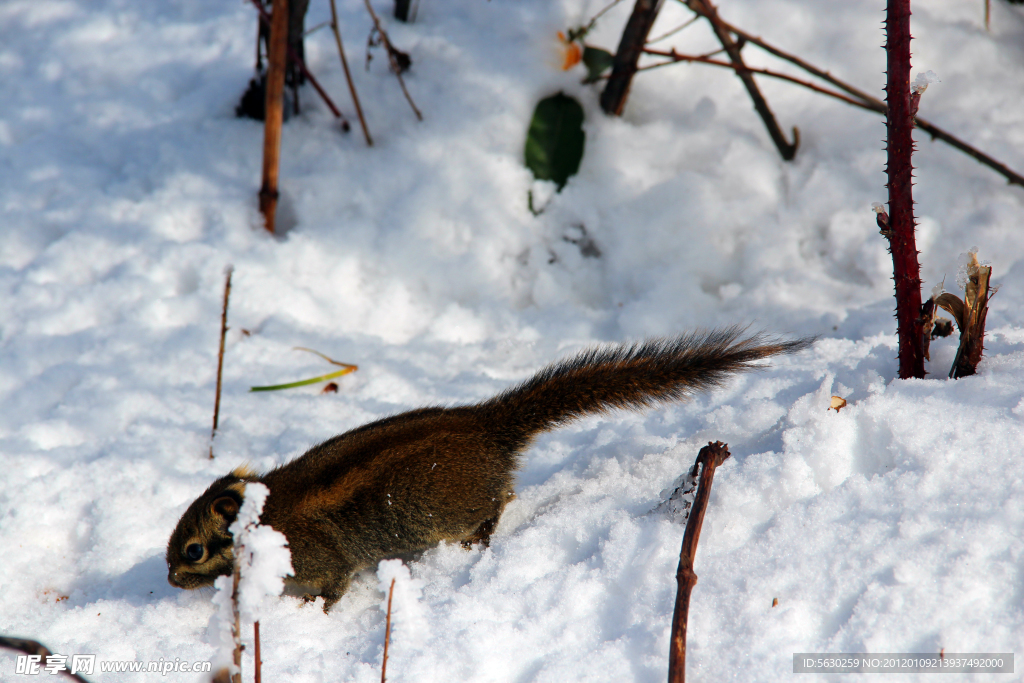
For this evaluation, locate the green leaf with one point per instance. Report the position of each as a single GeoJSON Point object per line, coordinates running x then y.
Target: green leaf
{"type": "Point", "coordinates": [554, 144]}
{"type": "Point", "coordinates": [597, 62]}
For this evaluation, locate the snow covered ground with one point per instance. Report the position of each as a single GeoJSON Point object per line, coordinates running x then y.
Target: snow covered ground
{"type": "Point", "coordinates": [127, 185]}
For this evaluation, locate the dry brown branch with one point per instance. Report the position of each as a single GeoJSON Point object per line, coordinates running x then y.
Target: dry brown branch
{"type": "Point", "coordinates": [674, 57]}
{"type": "Point", "coordinates": [273, 112]}
{"type": "Point", "coordinates": [297, 60]}
{"type": "Point", "coordinates": [861, 100]}
{"type": "Point", "coordinates": [348, 74]}
{"type": "Point", "coordinates": [220, 354]}
{"type": "Point", "coordinates": [672, 32]}
{"type": "Point", "coordinates": [395, 58]}
{"type": "Point", "coordinates": [868, 101]}
{"type": "Point", "coordinates": [1011, 176]}
{"type": "Point", "coordinates": [257, 662]}
{"type": "Point", "coordinates": [793, 59]}
{"type": "Point", "coordinates": [708, 459]}
{"type": "Point", "coordinates": [786, 149]}
{"type": "Point", "coordinates": [387, 634]}
{"type": "Point", "coordinates": [35, 648]}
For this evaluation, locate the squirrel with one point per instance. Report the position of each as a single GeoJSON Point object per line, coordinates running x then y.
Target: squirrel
{"type": "Point", "coordinates": [400, 485]}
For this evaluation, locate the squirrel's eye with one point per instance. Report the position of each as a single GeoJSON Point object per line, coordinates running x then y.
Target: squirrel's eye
{"type": "Point", "coordinates": [194, 552]}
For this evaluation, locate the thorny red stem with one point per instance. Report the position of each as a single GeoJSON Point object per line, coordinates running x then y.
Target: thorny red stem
{"type": "Point", "coordinates": [899, 168]}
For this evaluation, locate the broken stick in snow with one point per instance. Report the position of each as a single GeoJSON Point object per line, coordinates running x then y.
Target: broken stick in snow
{"type": "Point", "coordinates": [709, 458]}
{"type": "Point", "coordinates": [257, 662]}
{"type": "Point", "coordinates": [387, 635]}
{"type": "Point", "coordinates": [970, 314]}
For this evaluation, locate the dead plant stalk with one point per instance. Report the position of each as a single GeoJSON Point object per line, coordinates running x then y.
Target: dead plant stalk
{"type": "Point", "coordinates": [387, 635]}
{"type": "Point", "coordinates": [862, 99]}
{"type": "Point", "coordinates": [257, 662]}
{"type": "Point", "coordinates": [236, 626]}
{"type": "Point", "coordinates": [220, 354]}
{"type": "Point", "coordinates": [708, 459]}
{"type": "Point", "coordinates": [786, 149]}
{"type": "Point", "coordinates": [274, 112]}
{"type": "Point", "coordinates": [348, 74]}
{"type": "Point", "coordinates": [295, 59]}
{"type": "Point", "coordinates": [392, 60]}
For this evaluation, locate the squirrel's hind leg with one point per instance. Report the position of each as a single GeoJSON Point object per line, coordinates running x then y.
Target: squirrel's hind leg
{"type": "Point", "coordinates": [482, 535]}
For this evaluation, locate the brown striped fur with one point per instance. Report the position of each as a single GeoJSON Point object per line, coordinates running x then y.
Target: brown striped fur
{"type": "Point", "coordinates": [403, 484]}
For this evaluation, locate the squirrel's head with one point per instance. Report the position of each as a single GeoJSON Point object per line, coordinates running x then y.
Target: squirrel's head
{"type": "Point", "coordinates": [201, 547]}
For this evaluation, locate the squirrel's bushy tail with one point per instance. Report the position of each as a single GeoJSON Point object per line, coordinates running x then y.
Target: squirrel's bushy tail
{"type": "Point", "coordinates": [631, 376]}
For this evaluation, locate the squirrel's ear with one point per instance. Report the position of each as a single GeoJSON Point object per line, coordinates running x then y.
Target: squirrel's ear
{"type": "Point", "coordinates": [226, 507]}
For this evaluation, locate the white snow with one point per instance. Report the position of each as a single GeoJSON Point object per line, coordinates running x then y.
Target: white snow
{"type": "Point", "coordinates": [127, 185]}
{"type": "Point", "coordinates": [923, 80]}
{"type": "Point", "coordinates": [262, 554]}
{"type": "Point", "coordinates": [964, 264]}
{"type": "Point", "coordinates": [222, 624]}
{"type": "Point", "coordinates": [263, 560]}
{"type": "Point", "coordinates": [410, 622]}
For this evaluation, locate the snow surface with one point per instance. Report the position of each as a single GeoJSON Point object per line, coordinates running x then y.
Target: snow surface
{"type": "Point", "coordinates": [263, 560]}
{"type": "Point", "coordinates": [264, 556]}
{"type": "Point", "coordinates": [127, 185]}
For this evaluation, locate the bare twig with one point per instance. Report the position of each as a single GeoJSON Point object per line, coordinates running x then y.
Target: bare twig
{"type": "Point", "coordinates": [236, 627]}
{"type": "Point", "coordinates": [806, 66]}
{"type": "Point", "coordinates": [311, 31]}
{"type": "Point", "coordinates": [786, 149]}
{"type": "Point", "coordinates": [220, 354]}
{"type": "Point", "coordinates": [34, 648]}
{"type": "Point", "coordinates": [872, 102]}
{"type": "Point", "coordinates": [674, 31]}
{"type": "Point", "coordinates": [257, 662]}
{"type": "Point", "coordinates": [674, 57]}
{"type": "Point", "coordinates": [393, 54]}
{"type": "Point", "coordinates": [1012, 177]}
{"type": "Point", "coordinates": [593, 20]}
{"type": "Point", "coordinates": [860, 99]}
{"type": "Point", "coordinates": [298, 61]}
{"type": "Point", "coordinates": [708, 459]}
{"type": "Point", "coordinates": [387, 634]}
{"type": "Point", "coordinates": [348, 75]}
